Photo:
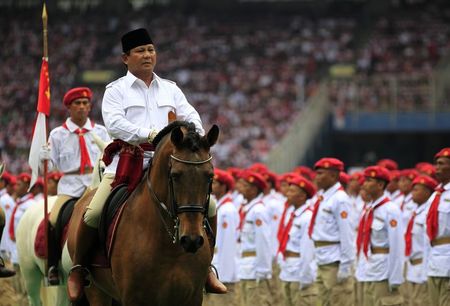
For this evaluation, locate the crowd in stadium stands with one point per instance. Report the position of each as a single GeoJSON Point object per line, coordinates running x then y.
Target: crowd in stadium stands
{"type": "Point", "coordinates": [249, 75]}
{"type": "Point", "coordinates": [393, 69]}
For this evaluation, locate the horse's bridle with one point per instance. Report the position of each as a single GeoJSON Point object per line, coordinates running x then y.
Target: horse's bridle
{"type": "Point", "coordinates": [175, 209]}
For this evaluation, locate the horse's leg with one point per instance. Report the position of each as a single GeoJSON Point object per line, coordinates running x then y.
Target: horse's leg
{"type": "Point", "coordinates": [32, 277]}
{"type": "Point", "coordinates": [97, 297]}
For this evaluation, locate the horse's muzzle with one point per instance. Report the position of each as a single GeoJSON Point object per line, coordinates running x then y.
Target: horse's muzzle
{"type": "Point", "coordinates": [191, 243]}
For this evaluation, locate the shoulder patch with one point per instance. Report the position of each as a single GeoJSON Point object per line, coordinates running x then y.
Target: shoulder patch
{"type": "Point", "coordinates": [275, 217]}
{"type": "Point", "coordinates": [224, 225]}
{"type": "Point", "coordinates": [258, 222]}
{"type": "Point", "coordinates": [393, 223]}
{"type": "Point", "coordinates": [344, 214]}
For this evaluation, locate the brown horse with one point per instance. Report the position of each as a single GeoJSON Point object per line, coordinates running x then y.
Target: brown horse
{"type": "Point", "coordinates": [159, 256]}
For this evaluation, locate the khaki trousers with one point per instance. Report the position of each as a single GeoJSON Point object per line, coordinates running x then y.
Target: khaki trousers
{"type": "Point", "coordinates": [59, 202]}
{"type": "Point", "coordinates": [229, 299]}
{"type": "Point", "coordinates": [308, 296]}
{"type": "Point", "coordinates": [332, 293]}
{"type": "Point", "coordinates": [2, 219]}
{"type": "Point", "coordinates": [439, 290]}
{"type": "Point", "coordinates": [418, 294]}
{"type": "Point", "coordinates": [378, 294]}
{"type": "Point", "coordinates": [276, 284]}
{"type": "Point", "coordinates": [255, 293]}
{"type": "Point", "coordinates": [359, 293]}
{"type": "Point", "coordinates": [290, 293]}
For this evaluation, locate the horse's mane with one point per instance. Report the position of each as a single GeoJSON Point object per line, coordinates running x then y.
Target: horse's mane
{"type": "Point", "coordinates": [192, 138]}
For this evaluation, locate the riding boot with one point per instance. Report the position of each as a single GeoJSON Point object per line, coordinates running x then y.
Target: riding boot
{"type": "Point", "coordinates": [213, 284]}
{"type": "Point", "coordinates": [85, 241]}
{"type": "Point", "coordinates": [4, 272]}
{"type": "Point", "coordinates": [54, 254]}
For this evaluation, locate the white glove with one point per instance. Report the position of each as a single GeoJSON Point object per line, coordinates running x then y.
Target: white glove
{"type": "Point", "coordinates": [45, 153]}
{"type": "Point", "coordinates": [152, 135]}
{"type": "Point", "coordinates": [344, 272]}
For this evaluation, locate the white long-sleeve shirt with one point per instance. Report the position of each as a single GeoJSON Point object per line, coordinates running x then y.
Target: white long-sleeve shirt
{"type": "Point", "coordinates": [255, 237]}
{"type": "Point", "coordinates": [22, 204]}
{"type": "Point", "coordinates": [333, 223]}
{"type": "Point", "coordinates": [7, 204]}
{"type": "Point", "coordinates": [226, 240]}
{"type": "Point", "coordinates": [131, 109]}
{"type": "Point", "coordinates": [438, 256]}
{"type": "Point", "coordinates": [299, 269]}
{"type": "Point", "coordinates": [417, 273]}
{"type": "Point", "coordinates": [66, 156]}
{"type": "Point", "coordinates": [275, 208]}
{"type": "Point", "coordinates": [387, 232]}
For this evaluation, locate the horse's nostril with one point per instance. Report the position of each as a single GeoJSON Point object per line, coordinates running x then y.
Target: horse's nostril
{"type": "Point", "coordinates": [200, 241]}
{"type": "Point", "coordinates": [191, 243]}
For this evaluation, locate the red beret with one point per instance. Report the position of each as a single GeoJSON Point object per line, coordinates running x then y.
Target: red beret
{"type": "Point", "coordinates": [357, 176]}
{"type": "Point", "coordinates": [409, 173]}
{"type": "Point", "coordinates": [39, 182]}
{"type": "Point", "coordinates": [234, 171]}
{"type": "Point", "coordinates": [24, 177]}
{"type": "Point", "coordinates": [304, 184]}
{"type": "Point", "coordinates": [224, 177]}
{"type": "Point", "coordinates": [6, 176]}
{"type": "Point", "coordinates": [76, 93]}
{"type": "Point", "coordinates": [271, 177]}
{"type": "Point", "coordinates": [445, 152]}
{"type": "Point", "coordinates": [330, 163]}
{"type": "Point", "coordinates": [258, 167]}
{"type": "Point", "coordinates": [56, 176]}
{"type": "Point", "coordinates": [426, 181]}
{"type": "Point", "coordinates": [377, 172]}
{"type": "Point", "coordinates": [286, 177]}
{"type": "Point", "coordinates": [388, 164]}
{"type": "Point", "coordinates": [305, 171]}
{"type": "Point", "coordinates": [344, 178]}
{"type": "Point", "coordinates": [13, 180]}
{"type": "Point", "coordinates": [395, 175]}
{"type": "Point", "coordinates": [254, 178]}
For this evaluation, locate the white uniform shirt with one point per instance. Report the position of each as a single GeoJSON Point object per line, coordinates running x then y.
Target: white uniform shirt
{"type": "Point", "coordinates": [396, 197]}
{"type": "Point", "coordinates": [438, 257]}
{"type": "Point", "coordinates": [131, 110]}
{"type": "Point", "coordinates": [275, 208]}
{"type": "Point", "coordinates": [24, 203]}
{"type": "Point", "coordinates": [333, 223]}
{"type": "Point", "coordinates": [7, 204]}
{"type": "Point", "coordinates": [408, 206]}
{"type": "Point", "coordinates": [237, 198]}
{"type": "Point", "coordinates": [387, 232]}
{"type": "Point", "coordinates": [66, 156]}
{"type": "Point", "coordinates": [226, 240]}
{"type": "Point", "coordinates": [417, 273]}
{"type": "Point", "coordinates": [299, 269]}
{"type": "Point", "coordinates": [255, 237]}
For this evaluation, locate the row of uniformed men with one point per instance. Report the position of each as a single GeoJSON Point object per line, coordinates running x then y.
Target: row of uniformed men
{"type": "Point", "coordinates": [325, 240]}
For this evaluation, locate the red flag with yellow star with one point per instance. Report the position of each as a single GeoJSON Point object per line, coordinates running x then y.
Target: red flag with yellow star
{"type": "Point", "coordinates": [40, 128]}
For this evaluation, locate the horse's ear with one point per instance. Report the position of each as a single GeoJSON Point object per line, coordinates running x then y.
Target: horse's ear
{"type": "Point", "coordinates": [177, 137]}
{"type": "Point", "coordinates": [213, 135]}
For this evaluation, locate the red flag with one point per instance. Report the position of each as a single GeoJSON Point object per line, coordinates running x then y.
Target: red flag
{"type": "Point", "coordinates": [40, 128]}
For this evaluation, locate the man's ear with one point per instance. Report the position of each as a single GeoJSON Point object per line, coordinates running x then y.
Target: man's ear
{"type": "Point", "coordinates": [125, 58]}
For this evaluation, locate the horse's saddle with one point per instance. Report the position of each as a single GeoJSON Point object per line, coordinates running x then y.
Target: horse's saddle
{"type": "Point", "coordinates": [61, 226]}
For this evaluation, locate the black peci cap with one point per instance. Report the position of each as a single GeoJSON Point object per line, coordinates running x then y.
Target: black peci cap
{"type": "Point", "coordinates": [135, 38]}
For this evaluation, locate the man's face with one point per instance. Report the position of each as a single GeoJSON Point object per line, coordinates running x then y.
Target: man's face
{"type": "Point", "coordinates": [420, 193]}
{"type": "Point", "coordinates": [141, 60]}
{"type": "Point", "coordinates": [325, 178]}
{"type": "Point", "coordinates": [295, 195]}
{"type": "Point", "coordinates": [79, 109]}
{"type": "Point", "coordinates": [443, 169]}
{"type": "Point", "coordinates": [249, 191]}
{"type": "Point", "coordinates": [404, 185]}
{"type": "Point", "coordinates": [372, 186]}
{"type": "Point", "coordinates": [218, 189]}
{"type": "Point", "coordinates": [21, 188]}
{"type": "Point", "coordinates": [392, 186]}
{"type": "Point", "coordinates": [284, 186]}
{"type": "Point", "coordinates": [353, 187]}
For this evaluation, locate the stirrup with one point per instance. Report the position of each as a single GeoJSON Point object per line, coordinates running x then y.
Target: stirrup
{"type": "Point", "coordinates": [214, 269]}
{"type": "Point", "coordinates": [84, 271]}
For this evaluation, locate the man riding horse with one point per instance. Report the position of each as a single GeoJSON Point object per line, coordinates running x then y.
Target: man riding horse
{"type": "Point", "coordinates": [135, 107]}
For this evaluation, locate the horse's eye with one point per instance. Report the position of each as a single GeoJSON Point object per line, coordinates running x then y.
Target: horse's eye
{"type": "Point", "coordinates": [175, 175]}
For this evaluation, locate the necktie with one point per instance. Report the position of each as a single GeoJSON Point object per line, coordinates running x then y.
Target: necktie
{"type": "Point", "coordinates": [285, 234]}
{"type": "Point", "coordinates": [281, 225]}
{"type": "Point", "coordinates": [241, 217]}
{"type": "Point", "coordinates": [11, 229]}
{"type": "Point", "coordinates": [314, 215]}
{"type": "Point", "coordinates": [85, 161]}
{"type": "Point", "coordinates": [408, 235]}
{"type": "Point", "coordinates": [432, 217]}
{"type": "Point", "coordinates": [365, 228]}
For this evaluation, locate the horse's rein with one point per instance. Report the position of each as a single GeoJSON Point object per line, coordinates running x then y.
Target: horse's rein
{"type": "Point", "coordinates": [175, 209]}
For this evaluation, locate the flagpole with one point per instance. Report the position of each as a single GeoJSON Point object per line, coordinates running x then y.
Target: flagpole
{"type": "Point", "coordinates": [45, 55]}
